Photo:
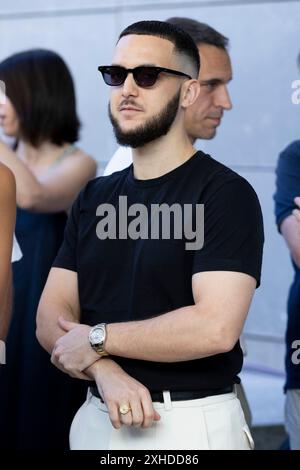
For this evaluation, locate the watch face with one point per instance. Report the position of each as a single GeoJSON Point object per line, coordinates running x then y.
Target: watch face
{"type": "Point", "coordinates": [97, 336]}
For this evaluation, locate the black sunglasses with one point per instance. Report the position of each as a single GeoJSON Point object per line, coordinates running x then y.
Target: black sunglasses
{"type": "Point", "coordinates": [144, 76]}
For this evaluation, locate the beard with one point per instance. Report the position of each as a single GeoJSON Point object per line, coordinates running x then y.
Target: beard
{"type": "Point", "coordinates": [156, 127]}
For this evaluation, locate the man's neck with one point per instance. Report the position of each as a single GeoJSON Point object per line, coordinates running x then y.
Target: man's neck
{"type": "Point", "coordinates": [162, 155]}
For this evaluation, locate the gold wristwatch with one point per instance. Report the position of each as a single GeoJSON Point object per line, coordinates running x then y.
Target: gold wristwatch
{"type": "Point", "coordinates": [97, 337]}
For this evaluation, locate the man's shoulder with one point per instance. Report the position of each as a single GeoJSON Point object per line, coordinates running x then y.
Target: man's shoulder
{"type": "Point", "coordinates": [102, 184]}
{"type": "Point", "coordinates": [292, 150]}
{"type": "Point", "coordinates": [224, 186]}
{"type": "Point", "coordinates": [217, 174]}
{"type": "Point", "coordinates": [295, 145]}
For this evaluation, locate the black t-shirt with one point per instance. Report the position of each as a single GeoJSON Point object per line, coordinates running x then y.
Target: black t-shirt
{"type": "Point", "coordinates": [287, 188]}
{"type": "Point", "coordinates": [121, 280]}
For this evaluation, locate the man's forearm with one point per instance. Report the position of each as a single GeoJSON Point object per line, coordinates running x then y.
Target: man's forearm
{"type": "Point", "coordinates": [48, 330]}
{"type": "Point", "coordinates": [181, 335]}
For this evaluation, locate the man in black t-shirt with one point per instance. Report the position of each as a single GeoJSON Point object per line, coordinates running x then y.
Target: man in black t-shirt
{"type": "Point", "coordinates": [166, 285]}
{"type": "Point", "coordinates": [203, 118]}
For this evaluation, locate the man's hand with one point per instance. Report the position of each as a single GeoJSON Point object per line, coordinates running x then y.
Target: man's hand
{"type": "Point", "coordinates": [296, 212]}
{"type": "Point", "coordinates": [72, 352]}
{"type": "Point", "coordinates": [117, 388]}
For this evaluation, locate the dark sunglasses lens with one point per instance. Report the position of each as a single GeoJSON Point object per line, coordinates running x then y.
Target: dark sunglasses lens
{"type": "Point", "coordinates": [145, 76]}
{"type": "Point", "coordinates": [114, 76]}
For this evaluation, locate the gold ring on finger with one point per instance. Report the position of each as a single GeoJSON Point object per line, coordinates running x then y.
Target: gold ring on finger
{"type": "Point", "coordinates": [124, 409]}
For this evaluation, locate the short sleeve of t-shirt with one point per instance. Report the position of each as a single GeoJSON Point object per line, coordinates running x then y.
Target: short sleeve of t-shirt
{"type": "Point", "coordinates": [233, 231]}
{"type": "Point", "coordinates": [287, 182]}
{"type": "Point", "coordinates": [67, 255]}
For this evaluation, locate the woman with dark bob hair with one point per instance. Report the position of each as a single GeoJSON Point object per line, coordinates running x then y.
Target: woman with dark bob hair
{"type": "Point", "coordinates": [37, 401]}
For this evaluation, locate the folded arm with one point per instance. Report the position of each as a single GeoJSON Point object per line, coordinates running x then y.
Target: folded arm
{"type": "Point", "coordinates": [211, 326]}
{"type": "Point", "coordinates": [60, 299]}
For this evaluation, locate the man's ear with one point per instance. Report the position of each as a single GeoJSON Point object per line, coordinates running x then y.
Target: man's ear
{"type": "Point", "coordinates": [190, 92]}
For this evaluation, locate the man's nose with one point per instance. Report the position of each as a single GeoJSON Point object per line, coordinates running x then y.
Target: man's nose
{"type": "Point", "coordinates": [222, 98]}
{"type": "Point", "coordinates": [129, 88]}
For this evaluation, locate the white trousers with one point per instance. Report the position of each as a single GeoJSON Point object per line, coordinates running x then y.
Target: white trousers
{"type": "Point", "coordinates": [215, 422]}
{"type": "Point", "coordinates": [292, 417]}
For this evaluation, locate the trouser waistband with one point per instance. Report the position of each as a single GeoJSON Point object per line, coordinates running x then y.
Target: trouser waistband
{"type": "Point", "coordinates": [178, 395]}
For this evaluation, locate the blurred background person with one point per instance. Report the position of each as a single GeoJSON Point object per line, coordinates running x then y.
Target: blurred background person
{"type": "Point", "coordinates": [37, 402]}
{"type": "Point", "coordinates": [7, 223]}
{"type": "Point", "coordinates": [288, 223]}
{"type": "Point", "coordinates": [288, 184]}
